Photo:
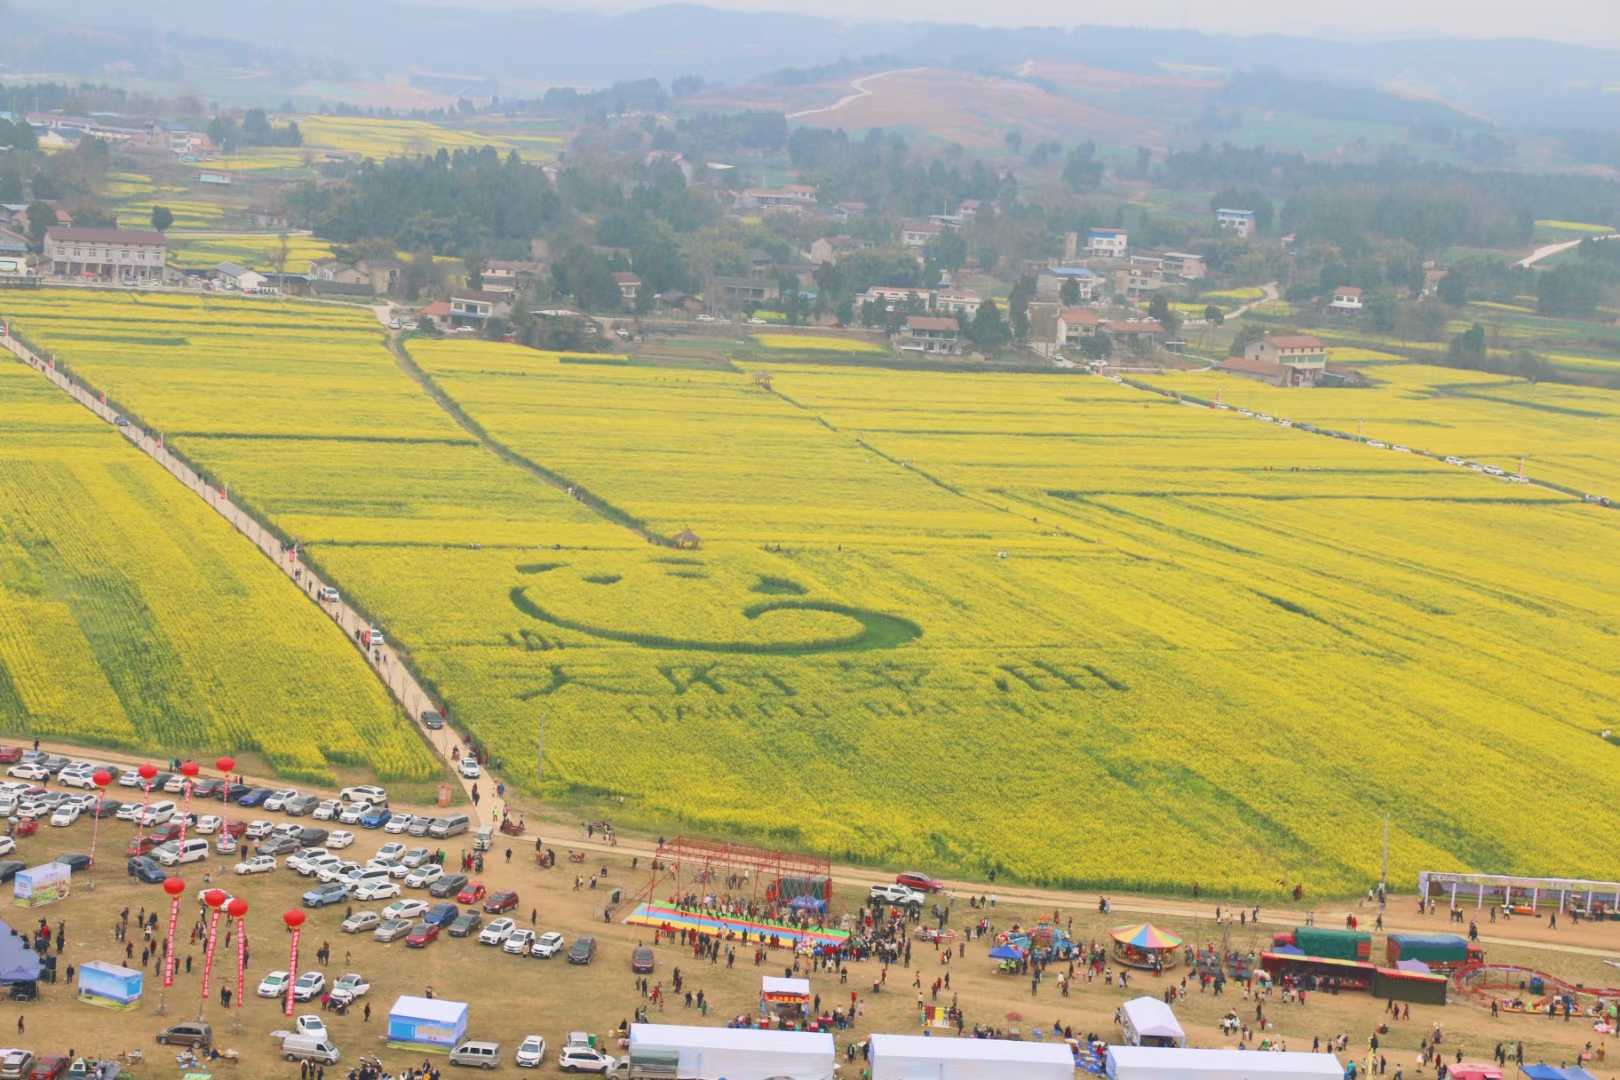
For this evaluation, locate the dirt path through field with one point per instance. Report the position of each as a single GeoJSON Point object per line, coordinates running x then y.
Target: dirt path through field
{"type": "Point", "coordinates": [382, 658]}
{"type": "Point", "coordinates": [1549, 250]}
{"type": "Point", "coordinates": [859, 86]}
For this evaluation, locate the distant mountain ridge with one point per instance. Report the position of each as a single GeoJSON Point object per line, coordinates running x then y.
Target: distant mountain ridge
{"type": "Point", "coordinates": [1513, 81]}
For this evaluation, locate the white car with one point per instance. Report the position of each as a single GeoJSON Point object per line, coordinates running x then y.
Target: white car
{"type": "Point", "coordinates": [415, 857]}
{"type": "Point", "coordinates": [517, 942]}
{"type": "Point", "coordinates": [128, 812]}
{"type": "Point", "coordinates": [311, 867]}
{"type": "Point", "coordinates": [367, 793]}
{"type": "Point", "coordinates": [310, 985]}
{"type": "Point", "coordinates": [353, 812]}
{"type": "Point", "coordinates": [278, 799]}
{"type": "Point", "coordinates": [259, 828]}
{"type": "Point", "coordinates": [469, 768]}
{"type": "Point", "coordinates": [405, 909]}
{"type": "Point", "coordinates": [258, 864]}
{"type": "Point", "coordinates": [225, 843]}
{"type": "Point", "coordinates": [340, 839]}
{"type": "Point", "coordinates": [391, 850]}
{"type": "Point", "coordinates": [423, 876]}
{"type": "Point", "coordinates": [1453, 460]}
{"type": "Point", "coordinates": [393, 868]}
{"type": "Point", "coordinates": [274, 985]}
{"type": "Point", "coordinates": [28, 772]}
{"type": "Point", "coordinates": [397, 824]}
{"type": "Point", "coordinates": [327, 810]}
{"type": "Point", "coordinates": [705, 318]}
{"type": "Point", "coordinates": [157, 814]}
{"type": "Point", "coordinates": [349, 986]}
{"type": "Point", "coordinates": [312, 1026]}
{"type": "Point", "coordinates": [377, 890]}
{"type": "Point", "coordinates": [203, 893]}
{"type": "Point", "coordinates": [175, 784]}
{"type": "Point", "coordinates": [76, 777]}
{"type": "Point", "coordinates": [547, 945]}
{"type": "Point", "coordinates": [1376, 445]}
{"type": "Point", "coordinates": [497, 932]}
{"type": "Point", "coordinates": [1399, 449]}
{"type": "Point", "coordinates": [298, 859]}
{"type": "Point", "coordinates": [586, 1058]}
{"type": "Point", "coordinates": [66, 814]}
{"type": "Point", "coordinates": [208, 824]}
{"type": "Point", "coordinates": [531, 1052]}
{"type": "Point", "coordinates": [339, 870]}
{"type": "Point", "coordinates": [7, 845]}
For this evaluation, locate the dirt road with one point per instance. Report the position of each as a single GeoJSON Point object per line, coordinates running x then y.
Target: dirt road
{"type": "Point", "coordinates": [859, 86]}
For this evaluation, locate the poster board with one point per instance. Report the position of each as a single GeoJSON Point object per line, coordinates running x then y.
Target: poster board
{"type": "Point", "coordinates": [110, 986]}
{"type": "Point", "coordinates": [41, 885]}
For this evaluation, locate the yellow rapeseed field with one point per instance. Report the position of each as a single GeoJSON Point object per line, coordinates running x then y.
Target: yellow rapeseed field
{"type": "Point", "coordinates": [132, 616]}
{"type": "Point", "coordinates": [1047, 624]}
{"type": "Point", "coordinates": [815, 343]}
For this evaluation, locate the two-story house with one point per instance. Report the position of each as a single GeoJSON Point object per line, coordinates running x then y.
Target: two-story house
{"type": "Point", "coordinates": [1305, 356]}
{"type": "Point", "coordinates": [106, 254]}
{"type": "Point", "coordinates": [931, 334]}
{"type": "Point", "coordinates": [1239, 223]}
{"type": "Point", "coordinates": [1106, 243]}
{"type": "Point", "coordinates": [1346, 301]}
{"type": "Point", "coordinates": [475, 307]}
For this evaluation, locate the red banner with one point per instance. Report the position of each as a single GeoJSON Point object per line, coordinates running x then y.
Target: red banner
{"type": "Point", "coordinates": [168, 963]}
{"type": "Point", "coordinates": [241, 959]}
{"type": "Point", "coordinates": [208, 957]}
{"type": "Point", "coordinates": [292, 971]}
{"type": "Point", "coordinates": [95, 827]}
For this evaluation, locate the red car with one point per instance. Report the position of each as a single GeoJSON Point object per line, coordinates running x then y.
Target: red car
{"type": "Point", "coordinates": [49, 1067]}
{"type": "Point", "coordinates": [141, 845]}
{"type": "Point", "coordinates": [502, 901]}
{"type": "Point", "coordinates": [473, 893]}
{"type": "Point", "coordinates": [421, 934]}
{"type": "Point", "coordinates": [234, 828]}
{"type": "Point", "coordinates": [10, 755]}
{"type": "Point", "coordinates": [916, 879]}
{"type": "Point", "coordinates": [165, 834]}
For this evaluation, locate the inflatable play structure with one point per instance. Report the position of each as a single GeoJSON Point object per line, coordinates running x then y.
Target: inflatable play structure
{"type": "Point", "coordinates": [1525, 990]}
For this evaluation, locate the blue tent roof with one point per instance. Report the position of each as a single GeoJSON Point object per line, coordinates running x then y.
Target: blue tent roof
{"type": "Point", "coordinates": [18, 963]}
{"type": "Point", "coordinates": [1542, 1072]}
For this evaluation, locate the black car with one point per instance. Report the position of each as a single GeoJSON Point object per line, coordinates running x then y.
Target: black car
{"type": "Point", "coordinates": [432, 720]}
{"type": "Point", "coordinates": [254, 797]}
{"type": "Point", "coordinates": [277, 845]}
{"type": "Point", "coordinates": [449, 885]}
{"type": "Point", "coordinates": [10, 868]}
{"type": "Point", "coordinates": [310, 836]}
{"type": "Point", "coordinates": [583, 951]}
{"type": "Point", "coordinates": [144, 868]}
{"type": "Point", "coordinates": [74, 861]}
{"type": "Point", "coordinates": [232, 792]}
{"type": "Point", "coordinates": [108, 808]}
{"type": "Point", "coordinates": [53, 763]}
{"type": "Point", "coordinates": [468, 922]}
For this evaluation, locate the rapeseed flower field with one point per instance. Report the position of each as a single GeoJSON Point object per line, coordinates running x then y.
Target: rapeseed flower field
{"type": "Point", "coordinates": [1047, 624]}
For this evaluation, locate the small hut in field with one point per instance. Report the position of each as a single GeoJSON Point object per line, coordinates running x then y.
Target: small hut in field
{"type": "Point", "coordinates": [687, 540]}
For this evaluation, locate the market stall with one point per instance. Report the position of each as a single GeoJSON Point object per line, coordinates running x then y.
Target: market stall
{"type": "Point", "coordinates": [784, 999]}
{"type": "Point", "coordinates": [1144, 946]}
{"type": "Point", "coordinates": [1147, 1021]}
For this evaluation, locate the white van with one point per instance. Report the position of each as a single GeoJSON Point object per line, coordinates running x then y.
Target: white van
{"type": "Point", "coordinates": [309, 1048]}
{"type": "Point", "coordinates": [477, 1055]}
{"type": "Point", "coordinates": [484, 838]}
{"type": "Point", "coordinates": [174, 853]}
{"type": "Point", "coordinates": [448, 826]}
{"type": "Point", "coordinates": [158, 813]}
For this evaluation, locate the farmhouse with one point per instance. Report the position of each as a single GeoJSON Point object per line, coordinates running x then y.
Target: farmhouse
{"type": "Point", "coordinates": [1184, 266]}
{"type": "Point", "coordinates": [916, 236]}
{"type": "Point", "coordinates": [829, 249]}
{"type": "Point", "coordinates": [743, 290]}
{"type": "Point", "coordinates": [1239, 223]}
{"type": "Point", "coordinates": [1304, 356]}
{"type": "Point", "coordinates": [1346, 301]}
{"type": "Point", "coordinates": [629, 285]}
{"type": "Point", "coordinates": [107, 254]}
{"type": "Point", "coordinates": [960, 302]}
{"type": "Point", "coordinates": [792, 199]}
{"type": "Point", "coordinates": [1258, 370]}
{"type": "Point", "coordinates": [505, 275]}
{"type": "Point", "coordinates": [931, 334]}
{"type": "Point", "coordinates": [233, 276]}
{"type": "Point", "coordinates": [1075, 324]}
{"type": "Point", "coordinates": [474, 307]}
{"type": "Point", "coordinates": [1049, 281]}
{"type": "Point", "coordinates": [1106, 243]}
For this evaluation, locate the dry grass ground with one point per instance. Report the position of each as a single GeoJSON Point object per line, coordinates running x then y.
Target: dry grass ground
{"type": "Point", "coordinates": [512, 997]}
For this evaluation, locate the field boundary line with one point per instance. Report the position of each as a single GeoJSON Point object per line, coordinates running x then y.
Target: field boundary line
{"type": "Point", "coordinates": [384, 660]}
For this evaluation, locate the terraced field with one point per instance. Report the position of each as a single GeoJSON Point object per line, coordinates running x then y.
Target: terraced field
{"type": "Point", "coordinates": [1047, 624]}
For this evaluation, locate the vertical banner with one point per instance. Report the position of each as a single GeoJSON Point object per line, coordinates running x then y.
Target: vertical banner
{"type": "Point", "coordinates": [208, 957]}
{"type": "Point", "coordinates": [185, 814]}
{"type": "Point", "coordinates": [95, 827]}
{"type": "Point", "coordinates": [241, 960]}
{"type": "Point", "coordinates": [292, 969]}
{"type": "Point", "coordinates": [168, 962]}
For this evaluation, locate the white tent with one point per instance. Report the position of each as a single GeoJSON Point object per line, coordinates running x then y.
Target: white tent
{"type": "Point", "coordinates": [736, 1053]}
{"type": "Point", "coordinates": [1175, 1063]}
{"type": "Point", "coordinates": [1149, 1022]}
{"type": "Point", "coordinates": [918, 1057]}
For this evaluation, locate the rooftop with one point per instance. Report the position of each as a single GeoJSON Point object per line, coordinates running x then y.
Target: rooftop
{"type": "Point", "coordinates": [105, 236]}
{"type": "Point", "coordinates": [1300, 341]}
{"type": "Point", "coordinates": [930, 322]}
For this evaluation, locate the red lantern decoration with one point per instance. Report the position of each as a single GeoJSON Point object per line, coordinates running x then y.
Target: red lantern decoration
{"type": "Point", "coordinates": [214, 897]}
{"type": "Point", "coordinates": [225, 764]}
{"type": "Point", "coordinates": [174, 886]}
{"type": "Point", "coordinates": [189, 769]}
{"type": "Point", "coordinates": [102, 778]}
{"type": "Point", "coordinates": [294, 918]}
{"type": "Point", "coordinates": [237, 908]}
{"type": "Point", "coordinates": [147, 772]}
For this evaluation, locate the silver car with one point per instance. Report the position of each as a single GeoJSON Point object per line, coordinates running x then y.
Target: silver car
{"type": "Point", "coordinates": [393, 930]}
{"type": "Point", "coordinates": [360, 922]}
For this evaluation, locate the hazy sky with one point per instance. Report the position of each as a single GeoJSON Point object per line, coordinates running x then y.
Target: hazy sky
{"type": "Point", "coordinates": [1595, 22]}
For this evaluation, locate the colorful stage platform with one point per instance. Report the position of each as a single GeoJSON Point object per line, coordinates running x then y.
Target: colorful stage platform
{"type": "Point", "coordinates": [659, 915]}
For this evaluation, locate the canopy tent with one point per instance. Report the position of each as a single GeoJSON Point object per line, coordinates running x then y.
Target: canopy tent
{"type": "Point", "coordinates": [18, 963]}
{"type": "Point", "coordinates": [1144, 936]}
{"type": "Point", "coordinates": [426, 1023]}
{"type": "Point", "coordinates": [1414, 965]}
{"type": "Point", "coordinates": [784, 997]}
{"type": "Point", "coordinates": [917, 1057]}
{"type": "Point", "coordinates": [735, 1053]}
{"type": "Point", "coordinates": [1006, 952]}
{"type": "Point", "coordinates": [1150, 1022]}
{"type": "Point", "coordinates": [1474, 1070]}
{"type": "Point", "coordinates": [1175, 1063]}
{"type": "Point", "coordinates": [1540, 1071]}
{"type": "Point", "coordinates": [110, 985]}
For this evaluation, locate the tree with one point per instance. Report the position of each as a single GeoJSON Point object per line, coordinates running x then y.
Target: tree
{"type": "Point", "coordinates": [1018, 308]}
{"type": "Point", "coordinates": [1467, 349]}
{"type": "Point", "coordinates": [1160, 311]}
{"type": "Point", "coordinates": [987, 329]}
{"type": "Point", "coordinates": [11, 189]}
{"type": "Point", "coordinates": [1214, 315]}
{"type": "Point", "coordinates": [947, 250]}
{"type": "Point", "coordinates": [1098, 346]}
{"type": "Point", "coordinates": [1069, 292]}
{"type": "Point", "coordinates": [41, 216]}
{"type": "Point", "coordinates": [162, 218]}
{"type": "Point", "coordinates": [278, 256]}
{"type": "Point", "coordinates": [1247, 335]}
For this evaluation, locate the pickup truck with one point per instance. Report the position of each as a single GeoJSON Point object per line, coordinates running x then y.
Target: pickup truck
{"type": "Point", "coordinates": [897, 894]}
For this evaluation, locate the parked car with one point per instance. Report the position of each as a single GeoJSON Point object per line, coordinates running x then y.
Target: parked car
{"type": "Point", "coordinates": [405, 909]}
{"type": "Point", "coordinates": [421, 935]}
{"type": "Point", "coordinates": [518, 941]}
{"type": "Point", "coordinates": [340, 838]}
{"type": "Point", "coordinates": [326, 810]}
{"type": "Point", "coordinates": [498, 902]}
{"type": "Point", "coordinates": [311, 836]}
{"type": "Point", "coordinates": [441, 914]}
{"type": "Point", "coordinates": [642, 961]}
{"type": "Point", "coordinates": [376, 890]}
{"type": "Point", "coordinates": [207, 789]}
{"type": "Point", "coordinates": [190, 1033]}
{"type": "Point", "coordinates": [469, 768]}
{"type": "Point", "coordinates": [467, 923]}
{"type": "Point", "coordinates": [916, 879]}
{"type": "Point", "coordinates": [259, 828]}
{"type": "Point", "coordinates": [376, 817]}
{"type": "Point", "coordinates": [65, 815]}
{"type": "Point", "coordinates": [393, 929]}
{"type": "Point", "coordinates": [424, 875]}
{"type": "Point", "coordinates": [274, 984]}
{"type": "Point", "coordinates": [74, 861]}
{"type": "Point", "coordinates": [583, 950]}
{"type": "Point", "coordinates": [321, 895]}
{"type": "Point", "coordinates": [10, 869]}
{"type": "Point", "coordinates": [256, 864]}
{"type": "Point", "coordinates": [29, 772]}
{"type": "Point", "coordinates": [209, 824]}
{"type": "Point", "coordinates": [254, 797]}
{"type": "Point", "coordinates": [497, 932]}
{"type": "Point", "coordinates": [146, 870]}
{"type": "Point", "coordinates": [370, 793]}
{"type": "Point", "coordinates": [414, 857]}
{"type": "Point", "coordinates": [11, 755]}
{"type": "Point", "coordinates": [471, 893]}
{"type": "Point", "coordinates": [531, 1052]}
{"type": "Point", "coordinates": [349, 986]}
{"type": "Point", "coordinates": [446, 886]}
{"type": "Point", "coordinates": [547, 945]}
{"type": "Point", "coordinates": [588, 1058]}
{"type": "Point", "coordinates": [233, 792]}
{"type": "Point", "coordinates": [398, 824]}
{"type": "Point", "coordinates": [896, 894]}
{"type": "Point", "coordinates": [49, 1066]}
{"type": "Point", "coordinates": [391, 850]}
{"type": "Point", "coordinates": [310, 985]}
{"type": "Point", "coordinates": [299, 806]}
{"type": "Point", "coordinates": [278, 798]}
{"type": "Point", "coordinates": [278, 845]}
{"type": "Point", "coordinates": [360, 922]}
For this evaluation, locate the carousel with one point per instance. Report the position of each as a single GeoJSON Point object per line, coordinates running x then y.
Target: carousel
{"type": "Point", "coordinates": [1144, 947]}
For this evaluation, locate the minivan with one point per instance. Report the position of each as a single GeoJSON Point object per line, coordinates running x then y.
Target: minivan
{"type": "Point", "coordinates": [16, 1063]}
{"type": "Point", "coordinates": [174, 852]}
{"type": "Point", "coordinates": [310, 1048]}
{"type": "Point", "coordinates": [447, 826]}
{"type": "Point", "coordinates": [189, 1033]}
{"type": "Point", "coordinates": [478, 1055]}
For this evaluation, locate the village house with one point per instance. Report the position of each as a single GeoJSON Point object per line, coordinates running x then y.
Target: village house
{"type": "Point", "coordinates": [629, 286]}
{"type": "Point", "coordinates": [792, 199]}
{"type": "Point", "coordinates": [1263, 371]}
{"type": "Point", "coordinates": [1238, 223]}
{"type": "Point", "coordinates": [506, 275]}
{"type": "Point", "coordinates": [1346, 301]}
{"type": "Point", "coordinates": [931, 334]}
{"type": "Point", "coordinates": [1184, 266]}
{"type": "Point", "coordinates": [1075, 324]}
{"type": "Point", "coordinates": [1049, 281]}
{"type": "Point", "coordinates": [1304, 356]}
{"type": "Point", "coordinates": [889, 296]}
{"type": "Point", "coordinates": [475, 307]}
{"type": "Point", "coordinates": [361, 278]}
{"type": "Point", "coordinates": [1106, 243]}
{"type": "Point", "coordinates": [963, 303]}
{"type": "Point", "coordinates": [916, 236]}
{"type": "Point", "coordinates": [743, 290]}
{"type": "Point", "coordinates": [1136, 281]}
{"type": "Point", "coordinates": [107, 254]}
{"type": "Point", "coordinates": [233, 276]}
{"type": "Point", "coordinates": [1144, 332]}
{"type": "Point", "coordinates": [829, 249]}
